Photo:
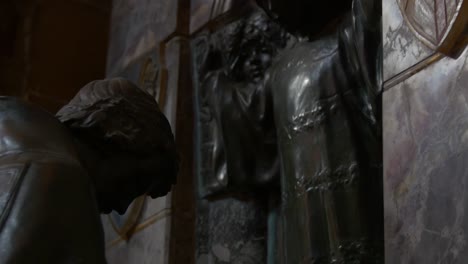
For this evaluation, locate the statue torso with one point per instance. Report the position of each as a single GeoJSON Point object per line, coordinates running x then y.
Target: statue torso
{"type": "Point", "coordinates": [243, 152]}
{"type": "Point", "coordinates": [306, 73]}
{"type": "Point", "coordinates": [329, 149]}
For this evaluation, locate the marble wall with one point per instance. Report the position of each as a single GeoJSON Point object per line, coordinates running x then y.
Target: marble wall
{"type": "Point", "coordinates": [137, 27]}
{"type": "Point", "coordinates": [401, 49]}
{"type": "Point", "coordinates": [425, 123]}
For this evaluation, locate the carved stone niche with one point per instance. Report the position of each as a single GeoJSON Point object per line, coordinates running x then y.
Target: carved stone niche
{"type": "Point", "coordinates": [442, 25]}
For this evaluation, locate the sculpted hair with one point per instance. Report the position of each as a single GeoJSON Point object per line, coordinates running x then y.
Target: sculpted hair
{"type": "Point", "coordinates": [115, 116]}
{"type": "Point", "coordinates": [256, 31]}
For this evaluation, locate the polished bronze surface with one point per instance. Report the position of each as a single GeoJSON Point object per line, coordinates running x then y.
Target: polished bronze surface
{"type": "Point", "coordinates": [237, 168]}
{"type": "Point", "coordinates": [327, 118]}
{"type": "Point", "coordinates": [115, 145]}
{"type": "Point", "coordinates": [313, 120]}
{"type": "Point", "coordinates": [326, 104]}
{"type": "Point", "coordinates": [238, 147]}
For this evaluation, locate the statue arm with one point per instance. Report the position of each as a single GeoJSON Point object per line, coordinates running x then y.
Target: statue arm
{"type": "Point", "coordinates": [367, 18]}
{"type": "Point", "coordinates": [370, 10]}
{"type": "Point", "coordinates": [360, 43]}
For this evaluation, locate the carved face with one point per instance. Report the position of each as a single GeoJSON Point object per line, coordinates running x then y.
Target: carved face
{"type": "Point", "coordinates": [260, 40]}
{"type": "Point", "coordinates": [305, 16]}
{"type": "Point", "coordinates": [255, 61]}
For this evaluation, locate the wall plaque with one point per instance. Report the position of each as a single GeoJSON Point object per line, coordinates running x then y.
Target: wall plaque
{"type": "Point", "coordinates": [440, 24]}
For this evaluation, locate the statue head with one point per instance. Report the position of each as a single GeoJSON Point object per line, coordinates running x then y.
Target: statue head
{"type": "Point", "coordinates": [251, 44]}
{"type": "Point", "coordinates": [124, 141]}
{"type": "Point", "coordinates": [307, 17]}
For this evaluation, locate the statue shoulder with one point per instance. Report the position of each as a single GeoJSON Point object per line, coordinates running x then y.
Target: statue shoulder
{"type": "Point", "coordinates": [43, 190]}
{"type": "Point", "coordinates": [26, 127]}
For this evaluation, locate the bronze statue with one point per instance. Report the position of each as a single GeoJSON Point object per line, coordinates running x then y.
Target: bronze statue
{"type": "Point", "coordinates": [235, 116]}
{"type": "Point", "coordinates": [237, 167]}
{"type": "Point", "coordinates": [109, 145]}
{"type": "Point", "coordinates": [327, 114]}
{"type": "Point", "coordinates": [321, 98]}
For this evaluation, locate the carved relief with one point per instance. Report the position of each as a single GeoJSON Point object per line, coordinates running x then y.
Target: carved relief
{"type": "Point", "coordinates": [234, 58]}
{"type": "Point", "coordinates": [440, 24]}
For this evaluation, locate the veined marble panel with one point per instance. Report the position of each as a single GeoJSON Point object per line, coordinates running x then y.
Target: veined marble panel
{"type": "Point", "coordinates": [401, 48]}
{"type": "Point", "coordinates": [137, 27]}
{"type": "Point", "coordinates": [425, 124]}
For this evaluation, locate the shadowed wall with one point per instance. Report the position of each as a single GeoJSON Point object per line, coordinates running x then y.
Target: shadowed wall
{"type": "Point", "coordinates": [51, 48]}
